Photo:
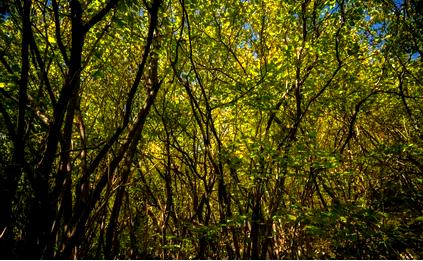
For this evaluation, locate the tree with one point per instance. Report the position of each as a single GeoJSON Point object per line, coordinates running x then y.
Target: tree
{"type": "Point", "coordinates": [231, 129]}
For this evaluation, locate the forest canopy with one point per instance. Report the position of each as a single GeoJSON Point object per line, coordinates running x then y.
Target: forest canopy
{"type": "Point", "coordinates": [186, 129]}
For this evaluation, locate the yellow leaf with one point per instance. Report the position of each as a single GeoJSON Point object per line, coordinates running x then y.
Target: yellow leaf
{"type": "Point", "coordinates": [51, 39]}
{"type": "Point", "coordinates": [292, 217]}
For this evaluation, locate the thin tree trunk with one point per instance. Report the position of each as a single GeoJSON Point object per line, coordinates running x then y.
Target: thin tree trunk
{"type": "Point", "coordinates": [14, 171]}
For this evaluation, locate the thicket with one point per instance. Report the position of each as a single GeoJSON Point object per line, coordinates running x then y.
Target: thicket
{"type": "Point", "coordinates": [185, 129]}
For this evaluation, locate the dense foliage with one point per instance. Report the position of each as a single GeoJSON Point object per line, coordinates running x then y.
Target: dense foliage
{"type": "Point", "coordinates": [185, 129]}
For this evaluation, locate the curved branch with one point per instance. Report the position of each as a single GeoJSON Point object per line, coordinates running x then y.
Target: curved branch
{"type": "Point", "coordinates": [57, 31]}
{"type": "Point", "coordinates": [100, 15]}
